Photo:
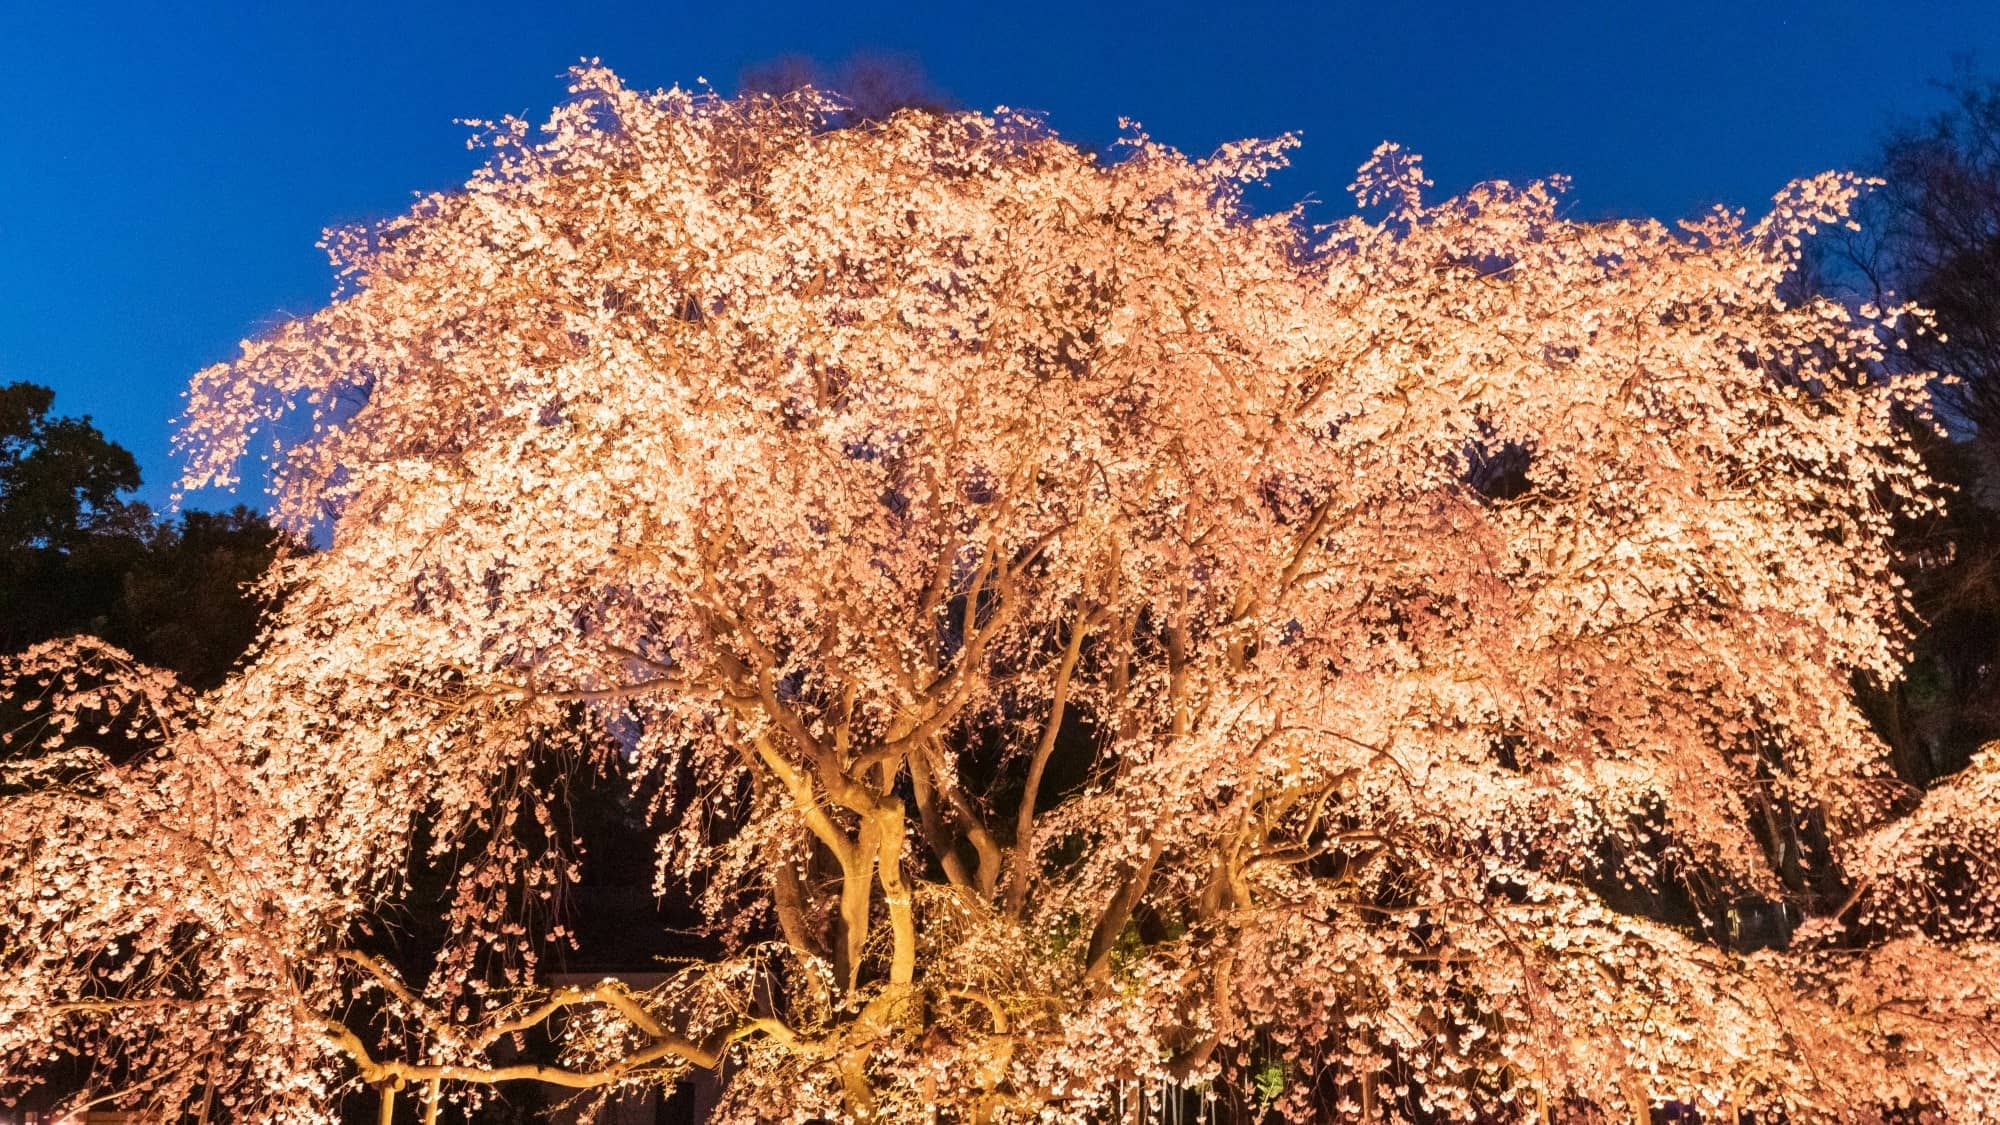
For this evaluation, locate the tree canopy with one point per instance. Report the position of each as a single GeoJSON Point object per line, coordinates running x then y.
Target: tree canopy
{"type": "Point", "coordinates": [1081, 641]}
{"type": "Point", "coordinates": [59, 477]}
{"type": "Point", "coordinates": [1931, 229]}
{"type": "Point", "coordinates": [78, 555]}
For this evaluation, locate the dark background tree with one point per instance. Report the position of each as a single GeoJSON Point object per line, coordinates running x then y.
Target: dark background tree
{"type": "Point", "coordinates": [65, 535]}
{"type": "Point", "coordinates": [78, 556]}
{"type": "Point", "coordinates": [59, 477]}
{"type": "Point", "coordinates": [872, 85]}
{"type": "Point", "coordinates": [1931, 233]}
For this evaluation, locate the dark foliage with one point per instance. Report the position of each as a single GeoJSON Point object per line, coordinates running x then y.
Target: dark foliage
{"type": "Point", "coordinates": [1931, 233]}
{"type": "Point", "coordinates": [78, 556]}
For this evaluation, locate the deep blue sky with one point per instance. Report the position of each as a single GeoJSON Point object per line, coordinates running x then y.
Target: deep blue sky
{"type": "Point", "coordinates": [166, 168]}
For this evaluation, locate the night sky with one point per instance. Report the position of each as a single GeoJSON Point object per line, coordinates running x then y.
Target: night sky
{"type": "Point", "coordinates": [167, 168]}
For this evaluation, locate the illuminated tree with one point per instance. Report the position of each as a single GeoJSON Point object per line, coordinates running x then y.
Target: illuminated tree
{"type": "Point", "coordinates": [1083, 642]}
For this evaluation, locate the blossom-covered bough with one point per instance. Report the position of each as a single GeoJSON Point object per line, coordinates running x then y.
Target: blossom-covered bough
{"type": "Point", "coordinates": [1086, 642]}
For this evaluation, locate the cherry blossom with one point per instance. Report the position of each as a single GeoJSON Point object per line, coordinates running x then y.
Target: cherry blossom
{"type": "Point", "coordinates": [1091, 645]}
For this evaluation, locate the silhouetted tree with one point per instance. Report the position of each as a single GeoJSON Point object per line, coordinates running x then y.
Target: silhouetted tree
{"type": "Point", "coordinates": [65, 534]}
{"type": "Point", "coordinates": [59, 478]}
{"type": "Point", "coordinates": [872, 85]}
{"type": "Point", "coordinates": [1930, 232]}
{"type": "Point", "coordinates": [77, 555]}
{"type": "Point", "coordinates": [187, 601]}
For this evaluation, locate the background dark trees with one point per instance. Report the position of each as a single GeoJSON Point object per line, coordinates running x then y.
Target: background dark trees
{"type": "Point", "coordinates": [78, 556]}
{"type": "Point", "coordinates": [1931, 233]}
